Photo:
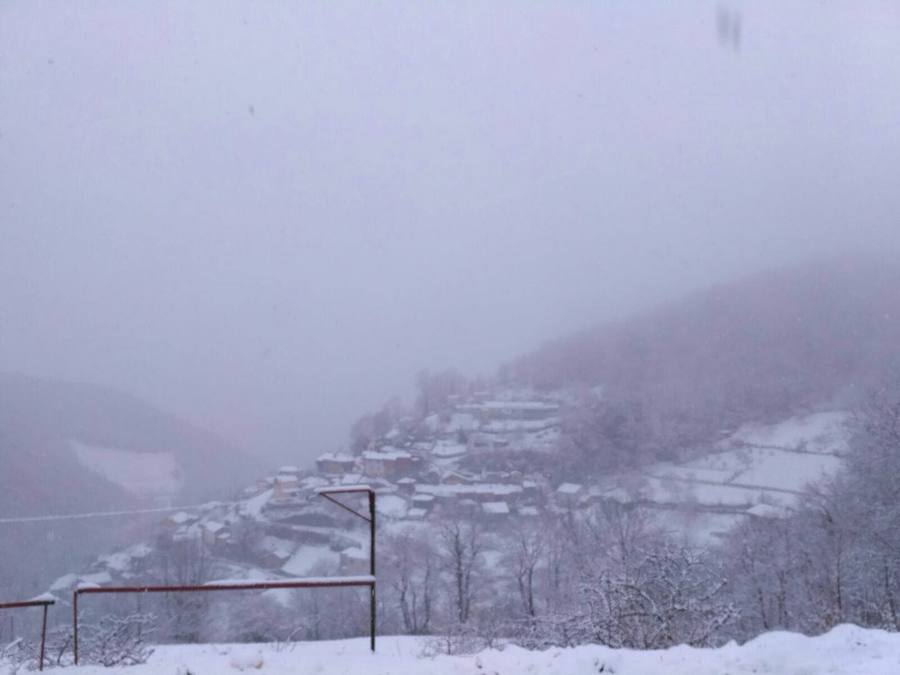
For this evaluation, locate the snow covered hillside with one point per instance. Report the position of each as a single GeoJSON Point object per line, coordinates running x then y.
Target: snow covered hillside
{"type": "Point", "coordinates": [846, 650]}
{"type": "Point", "coordinates": [279, 528]}
{"type": "Point", "coordinates": [758, 471]}
{"type": "Point", "coordinates": [141, 474]}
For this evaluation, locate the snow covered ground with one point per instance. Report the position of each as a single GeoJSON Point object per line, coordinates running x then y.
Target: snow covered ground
{"type": "Point", "coordinates": [143, 474]}
{"type": "Point", "coordinates": [757, 471]}
{"type": "Point", "coordinates": [846, 650]}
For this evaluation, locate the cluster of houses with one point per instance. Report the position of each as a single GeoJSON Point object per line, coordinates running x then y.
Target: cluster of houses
{"type": "Point", "coordinates": [415, 478]}
{"type": "Point", "coordinates": [279, 527]}
{"type": "Point", "coordinates": [214, 530]}
{"type": "Point", "coordinates": [485, 424]}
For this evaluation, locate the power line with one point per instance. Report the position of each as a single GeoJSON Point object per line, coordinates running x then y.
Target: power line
{"type": "Point", "coordinates": [103, 514]}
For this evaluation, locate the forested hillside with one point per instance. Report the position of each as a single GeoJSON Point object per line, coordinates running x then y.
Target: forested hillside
{"type": "Point", "coordinates": [762, 349]}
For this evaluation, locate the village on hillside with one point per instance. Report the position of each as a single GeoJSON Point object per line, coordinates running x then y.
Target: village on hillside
{"type": "Point", "coordinates": [459, 465]}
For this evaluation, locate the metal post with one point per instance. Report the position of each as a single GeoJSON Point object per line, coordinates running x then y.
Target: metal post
{"type": "Point", "coordinates": [372, 569]}
{"type": "Point", "coordinates": [44, 604]}
{"type": "Point", "coordinates": [75, 624]}
{"type": "Point", "coordinates": [328, 493]}
{"type": "Point", "coordinates": [43, 638]}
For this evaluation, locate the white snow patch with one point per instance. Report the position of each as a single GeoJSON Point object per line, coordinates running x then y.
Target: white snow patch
{"type": "Point", "coordinates": [121, 560]}
{"type": "Point", "coordinates": [495, 508]}
{"type": "Point", "coordinates": [64, 583]}
{"type": "Point", "coordinates": [391, 506]}
{"type": "Point", "coordinates": [143, 474]}
{"type": "Point", "coordinates": [280, 548]}
{"type": "Point", "coordinates": [819, 432]}
{"type": "Point", "coordinates": [253, 507]}
{"type": "Point", "coordinates": [98, 579]}
{"type": "Point", "coordinates": [307, 557]}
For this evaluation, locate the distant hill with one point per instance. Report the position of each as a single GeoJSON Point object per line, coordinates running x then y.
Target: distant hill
{"type": "Point", "coordinates": [69, 447]}
{"type": "Point", "coordinates": [760, 349]}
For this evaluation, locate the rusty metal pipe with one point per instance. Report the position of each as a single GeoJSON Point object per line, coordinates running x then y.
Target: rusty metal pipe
{"type": "Point", "coordinates": [44, 604]}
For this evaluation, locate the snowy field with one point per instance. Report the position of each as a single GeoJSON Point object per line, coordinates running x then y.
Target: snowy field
{"type": "Point", "coordinates": [143, 474]}
{"type": "Point", "coordinates": [846, 650]}
{"type": "Point", "coordinates": [759, 470]}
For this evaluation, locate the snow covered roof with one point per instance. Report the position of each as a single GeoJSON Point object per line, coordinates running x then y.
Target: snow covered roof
{"type": "Point", "coordinates": [181, 517]}
{"type": "Point", "coordinates": [569, 489]}
{"type": "Point", "coordinates": [335, 457]}
{"type": "Point", "coordinates": [496, 489]}
{"type": "Point", "coordinates": [120, 561]}
{"type": "Point", "coordinates": [355, 553]}
{"type": "Point", "coordinates": [391, 505]}
{"type": "Point", "coordinates": [449, 450]}
{"type": "Point", "coordinates": [510, 405]}
{"type": "Point", "coordinates": [528, 511]}
{"type": "Point", "coordinates": [289, 468]}
{"type": "Point", "coordinates": [495, 508]}
{"type": "Point", "coordinates": [386, 455]}
{"type": "Point", "coordinates": [416, 514]}
{"type": "Point", "coordinates": [768, 511]}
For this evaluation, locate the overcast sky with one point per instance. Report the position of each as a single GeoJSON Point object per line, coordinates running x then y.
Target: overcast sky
{"type": "Point", "coordinates": [267, 216]}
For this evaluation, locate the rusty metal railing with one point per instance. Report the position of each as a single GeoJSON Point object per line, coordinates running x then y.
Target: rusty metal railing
{"type": "Point", "coordinates": [241, 585]}
{"type": "Point", "coordinates": [36, 602]}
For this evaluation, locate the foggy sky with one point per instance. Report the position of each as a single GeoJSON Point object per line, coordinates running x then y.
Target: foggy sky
{"type": "Point", "coordinates": [266, 217]}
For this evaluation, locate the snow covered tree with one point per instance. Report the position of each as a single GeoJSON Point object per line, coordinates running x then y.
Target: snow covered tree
{"type": "Point", "coordinates": [461, 548]}
{"type": "Point", "coordinates": [411, 574]}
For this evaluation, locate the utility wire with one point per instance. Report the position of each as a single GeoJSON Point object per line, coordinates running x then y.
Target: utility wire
{"type": "Point", "coordinates": [104, 514]}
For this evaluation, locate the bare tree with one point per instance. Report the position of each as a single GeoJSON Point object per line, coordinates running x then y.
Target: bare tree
{"type": "Point", "coordinates": [461, 549]}
{"type": "Point", "coordinates": [526, 551]}
{"type": "Point", "coordinates": [412, 573]}
{"type": "Point", "coordinates": [185, 562]}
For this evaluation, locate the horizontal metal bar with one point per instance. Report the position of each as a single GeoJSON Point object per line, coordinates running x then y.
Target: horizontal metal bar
{"type": "Point", "coordinates": [26, 603]}
{"type": "Point", "coordinates": [337, 582]}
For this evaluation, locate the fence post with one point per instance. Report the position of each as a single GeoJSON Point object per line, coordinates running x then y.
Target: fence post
{"type": "Point", "coordinates": [43, 638]}
{"type": "Point", "coordinates": [75, 624]}
{"type": "Point", "coordinates": [372, 569]}
{"type": "Point", "coordinates": [42, 601]}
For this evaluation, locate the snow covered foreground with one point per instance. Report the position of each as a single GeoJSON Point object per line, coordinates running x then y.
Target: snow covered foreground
{"type": "Point", "coordinates": [846, 650]}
